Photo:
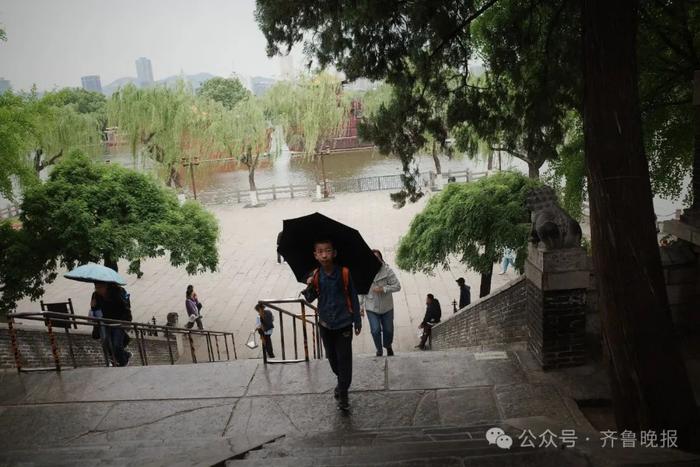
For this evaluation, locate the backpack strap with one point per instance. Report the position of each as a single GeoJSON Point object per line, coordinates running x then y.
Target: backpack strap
{"type": "Point", "coordinates": [315, 281]}
{"type": "Point", "coordinates": [346, 287]}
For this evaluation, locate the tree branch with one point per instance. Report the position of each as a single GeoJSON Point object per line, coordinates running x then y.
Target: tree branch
{"type": "Point", "coordinates": [461, 26]}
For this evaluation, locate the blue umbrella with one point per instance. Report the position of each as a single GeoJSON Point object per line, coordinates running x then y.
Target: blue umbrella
{"type": "Point", "coordinates": [92, 272]}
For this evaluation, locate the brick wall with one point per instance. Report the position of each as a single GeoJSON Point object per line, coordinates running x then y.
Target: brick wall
{"type": "Point", "coordinates": [35, 349]}
{"type": "Point", "coordinates": [557, 326]}
{"type": "Point", "coordinates": [498, 318]}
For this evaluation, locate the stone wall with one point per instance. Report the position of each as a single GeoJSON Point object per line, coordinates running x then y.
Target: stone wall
{"type": "Point", "coordinates": [35, 349]}
{"type": "Point", "coordinates": [498, 318]}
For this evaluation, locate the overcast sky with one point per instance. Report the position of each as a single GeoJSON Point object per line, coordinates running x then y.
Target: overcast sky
{"type": "Point", "coordinates": [54, 42]}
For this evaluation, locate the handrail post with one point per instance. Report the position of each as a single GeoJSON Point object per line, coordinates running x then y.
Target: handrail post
{"type": "Point", "coordinates": [194, 357]}
{"type": "Point", "coordinates": [143, 344]}
{"type": "Point", "coordinates": [294, 327]}
{"type": "Point", "coordinates": [228, 355]}
{"type": "Point", "coordinates": [54, 347]}
{"type": "Point", "coordinates": [317, 338]}
{"type": "Point", "coordinates": [13, 342]}
{"type": "Point", "coordinates": [306, 338]}
{"type": "Point", "coordinates": [218, 353]}
{"type": "Point", "coordinates": [233, 341]}
{"type": "Point", "coordinates": [138, 344]}
{"type": "Point", "coordinates": [70, 345]}
{"type": "Point", "coordinates": [284, 355]}
{"type": "Point", "coordinates": [170, 349]}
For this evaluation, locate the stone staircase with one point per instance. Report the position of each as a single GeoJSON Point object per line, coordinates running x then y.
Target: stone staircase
{"type": "Point", "coordinates": [414, 409]}
{"type": "Point", "coordinates": [408, 446]}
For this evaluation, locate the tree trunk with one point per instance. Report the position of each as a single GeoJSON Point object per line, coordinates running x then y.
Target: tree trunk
{"type": "Point", "coordinates": [436, 159]}
{"type": "Point", "coordinates": [251, 177]}
{"type": "Point", "coordinates": [489, 162]}
{"type": "Point", "coordinates": [696, 159]}
{"type": "Point", "coordinates": [533, 170]}
{"type": "Point", "coordinates": [111, 263]}
{"type": "Point", "coordinates": [37, 161]}
{"type": "Point", "coordinates": [485, 286]}
{"type": "Point", "coordinates": [650, 386]}
{"type": "Point", "coordinates": [174, 178]}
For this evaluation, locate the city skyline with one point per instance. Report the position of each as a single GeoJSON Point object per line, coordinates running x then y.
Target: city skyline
{"type": "Point", "coordinates": [218, 37]}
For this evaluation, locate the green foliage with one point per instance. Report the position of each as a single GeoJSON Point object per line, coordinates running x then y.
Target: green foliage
{"type": "Point", "coordinates": [35, 133]}
{"type": "Point", "coordinates": [168, 124]}
{"type": "Point", "coordinates": [16, 133]}
{"type": "Point", "coordinates": [226, 91]}
{"type": "Point", "coordinates": [92, 212]}
{"type": "Point", "coordinates": [311, 111]}
{"type": "Point", "coordinates": [474, 221]}
{"type": "Point", "coordinates": [244, 133]}
{"type": "Point", "coordinates": [24, 267]}
{"type": "Point", "coordinates": [532, 84]}
{"type": "Point", "coordinates": [84, 102]}
{"type": "Point", "coordinates": [668, 55]}
{"type": "Point", "coordinates": [568, 173]}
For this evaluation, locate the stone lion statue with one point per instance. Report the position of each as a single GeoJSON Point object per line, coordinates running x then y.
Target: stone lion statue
{"type": "Point", "coordinates": [552, 227]}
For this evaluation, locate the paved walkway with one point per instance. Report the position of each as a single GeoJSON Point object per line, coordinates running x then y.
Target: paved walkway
{"type": "Point", "coordinates": [248, 269]}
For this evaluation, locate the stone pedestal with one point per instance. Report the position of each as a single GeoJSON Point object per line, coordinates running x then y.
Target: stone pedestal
{"type": "Point", "coordinates": [681, 263]}
{"type": "Point", "coordinates": [556, 283]}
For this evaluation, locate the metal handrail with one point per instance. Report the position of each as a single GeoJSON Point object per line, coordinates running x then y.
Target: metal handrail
{"type": "Point", "coordinates": [52, 319]}
{"type": "Point", "coordinates": [303, 320]}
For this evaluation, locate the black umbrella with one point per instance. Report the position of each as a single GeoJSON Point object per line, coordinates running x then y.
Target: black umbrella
{"type": "Point", "coordinates": [297, 243]}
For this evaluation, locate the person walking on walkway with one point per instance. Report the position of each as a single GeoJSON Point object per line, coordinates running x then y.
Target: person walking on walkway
{"type": "Point", "coordinates": [379, 305]}
{"type": "Point", "coordinates": [193, 307]}
{"type": "Point", "coordinates": [264, 325]}
{"type": "Point", "coordinates": [464, 293]}
{"type": "Point", "coordinates": [432, 316]}
{"type": "Point", "coordinates": [111, 301]}
{"type": "Point", "coordinates": [508, 259]}
{"type": "Point", "coordinates": [338, 311]}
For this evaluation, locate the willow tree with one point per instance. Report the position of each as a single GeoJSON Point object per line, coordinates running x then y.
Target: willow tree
{"type": "Point", "coordinates": [87, 211]}
{"type": "Point", "coordinates": [35, 133]}
{"type": "Point", "coordinates": [474, 222]}
{"type": "Point", "coordinates": [311, 113]}
{"type": "Point", "coordinates": [163, 124]}
{"type": "Point", "coordinates": [243, 133]}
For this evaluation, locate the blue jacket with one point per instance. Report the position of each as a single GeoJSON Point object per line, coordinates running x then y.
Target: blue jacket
{"type": "Point", "coordinates": [333, 310]}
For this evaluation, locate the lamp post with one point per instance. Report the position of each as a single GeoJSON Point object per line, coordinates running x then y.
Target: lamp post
{"type": "Point", "coordinates": [191, 164]}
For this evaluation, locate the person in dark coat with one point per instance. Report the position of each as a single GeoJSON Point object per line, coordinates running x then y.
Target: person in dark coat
{"type": "Point", "coordinates": [464, 293]}
{"type": "Point", "coordinates": [112, 302]}
{"type": "Point", "coordinates": [279, 257]}
{"type": "Point", "coordinates": [432, 316]}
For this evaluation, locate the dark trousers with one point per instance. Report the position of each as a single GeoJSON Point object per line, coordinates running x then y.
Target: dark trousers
{"type": "Point", "coordinates": [338, 346]}
{"type": "Point", "coordinates": [267, 344]}
{"type": "Point", "coordinates": [427, 328]}
{"type": "Point", "coordinates": [190, 324]}
{"type": "Point", "coordinates": [113, 345]}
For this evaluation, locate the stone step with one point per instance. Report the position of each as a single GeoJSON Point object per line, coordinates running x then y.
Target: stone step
{"type": "Point", "coordinates": [417, 446]}
{"type": "Point", "coordinates": [541, 458]}
{"type": "Point", "coordinates": [185, 451]}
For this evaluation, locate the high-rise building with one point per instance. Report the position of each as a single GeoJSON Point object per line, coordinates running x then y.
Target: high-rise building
{"type": "Point", "coordinates": [260, 84]}
{"type": "Point", "coordinates": [91, 83]}
{"type": "Point", "coordinates": [144, 72]}
{"type": "Point", "coordinates": [4, 85]}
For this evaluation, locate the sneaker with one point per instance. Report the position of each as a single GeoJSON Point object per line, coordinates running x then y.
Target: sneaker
{"type": "Point", "coordinates": [336, 393]}
{"type": "Point", "coordinates": [343, 403]}
{"type": "Point", "coordinates": [389, 352]}
{"type": "Point", "coordinates": [379, 353]}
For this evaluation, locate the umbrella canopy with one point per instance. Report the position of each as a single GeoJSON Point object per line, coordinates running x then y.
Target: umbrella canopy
{"type": "Point", "coordinates": [297, 243]}
{"type": "Point", "coordinates": [92, 272]}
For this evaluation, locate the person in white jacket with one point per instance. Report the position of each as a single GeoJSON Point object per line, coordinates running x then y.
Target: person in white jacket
{"type": "Point", "coordinates": [379, 307]}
